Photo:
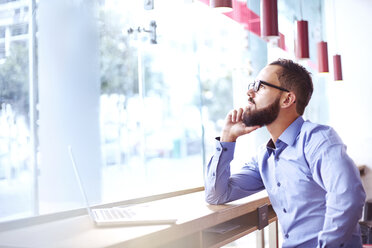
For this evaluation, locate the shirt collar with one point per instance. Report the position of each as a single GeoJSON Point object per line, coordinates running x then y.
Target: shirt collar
{"type": "Point", "coordinates": [290, 134]}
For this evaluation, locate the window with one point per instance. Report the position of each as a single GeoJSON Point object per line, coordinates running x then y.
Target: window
{"type": "Point", "coordinates": [156, 98]}
{"type": "Point", "coordinates": [19, 29]}
{"type": "Point", "coordinates": [132, 90]}
{"type": "Point", "coordinates": [6, 1]}
{"type": "Point", "coordinates": [15, 151]}
{"type": "Point", "coordinates": [2, 50]}
{"type": "Point", "coordinates": [2, 32]}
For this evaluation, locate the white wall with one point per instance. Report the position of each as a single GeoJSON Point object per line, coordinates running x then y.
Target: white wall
{"type": "Point", "coordinates": [350, 101]}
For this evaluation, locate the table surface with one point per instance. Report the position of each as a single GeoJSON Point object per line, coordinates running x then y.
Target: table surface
{"type": "Point", "coordinates": [192, 212]}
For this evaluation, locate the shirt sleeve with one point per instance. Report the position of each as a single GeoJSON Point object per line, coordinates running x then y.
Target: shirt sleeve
{"type": "Point", "coordinates": [220, 185]}
{"type": "Point", "coordinates": [337, 174]}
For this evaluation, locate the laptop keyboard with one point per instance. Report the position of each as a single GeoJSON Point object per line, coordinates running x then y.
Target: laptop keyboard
{"type": "Point", "coordinates": [114, 213]}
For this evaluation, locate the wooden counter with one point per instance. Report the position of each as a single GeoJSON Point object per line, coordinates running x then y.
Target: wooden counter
{"type": "Point", "coordinates": [195, 218]}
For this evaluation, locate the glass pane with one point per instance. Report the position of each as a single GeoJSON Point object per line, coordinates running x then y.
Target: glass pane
{"type": "Point", "coordinates": [138, 124]}
{"type": "Point", "coordinates": [161, 93]}
{"type": "Point", "coordinates": [16, 182]}
{"type": "Point", "coordinates": [150, 117]}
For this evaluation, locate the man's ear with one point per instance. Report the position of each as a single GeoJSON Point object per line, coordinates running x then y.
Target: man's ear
{"type": "Point", "coordinates": [289, 100]}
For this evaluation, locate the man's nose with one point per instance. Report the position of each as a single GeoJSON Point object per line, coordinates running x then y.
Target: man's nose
{"type": "Point", "coordinates": [250, 93]}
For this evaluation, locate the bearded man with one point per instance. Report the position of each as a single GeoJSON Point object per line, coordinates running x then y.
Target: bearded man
{"type": "Point", "coordinates": [313, 185]}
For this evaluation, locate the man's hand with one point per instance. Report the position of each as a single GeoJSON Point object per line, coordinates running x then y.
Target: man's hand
{"type": "Point", "coordinates": [234, 126]}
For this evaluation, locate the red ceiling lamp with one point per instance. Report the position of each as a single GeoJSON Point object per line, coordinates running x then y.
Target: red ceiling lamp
{"type": "Point", "coordinates": [281, 41]}
{"type": "Point", "coordinates": [322, 48]}
{"type": "Point", "coordinates": [221, 5]}
{"type": "Point", "coordinates": [302, 40]}
{"type": "Point", "coordinates": [302, 46]}
{"type": "Point", "coordinates": [269, 19]}
{"type": "Point", "coordinates": [337, 68]}
{"type": "Point", "coordinates": [323, 57]}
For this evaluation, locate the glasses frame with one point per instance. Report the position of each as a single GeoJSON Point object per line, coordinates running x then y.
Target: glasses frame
{"type": "Point", "coordinates": [259, 82]}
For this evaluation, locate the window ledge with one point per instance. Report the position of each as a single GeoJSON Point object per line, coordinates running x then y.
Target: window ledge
{"type": "Point", "coordinates": [194, 217]}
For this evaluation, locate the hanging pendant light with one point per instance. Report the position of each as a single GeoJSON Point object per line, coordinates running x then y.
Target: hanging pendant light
{"type": "Point", "coordinates": [322, 48]}
{"type": "Point", "coordinates": [221, 5]}
{"type": "Point", "coordinates": [281, 41]}
{"type": "Point", "coordinates": [322, 57]}
{"type": "Point", "coordinates": [269, 19]}
{"type": "Point", "coordinates": [302, 47]}
{"type": "Point", "coordinates": [337, 68]}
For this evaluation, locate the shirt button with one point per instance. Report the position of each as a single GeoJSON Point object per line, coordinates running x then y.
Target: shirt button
{"type": "Point", "coordinates": [225, 149]}
{"type": "Point", "coordinates": [286, 236]}
{"type": "Point", "coordinates": [218, 149]}
{"type": "Point", "coordinates": [342, 245]}
{"type": "Point", "coordinates": [278, 184]}
{"type": "Point", "coordinates": [213, 174]}
{"type": "Point", "coordinates": [284, 210]}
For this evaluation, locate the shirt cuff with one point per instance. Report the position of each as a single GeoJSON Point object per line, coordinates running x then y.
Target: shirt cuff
{"type": "Point", "coordinates": [224, 146]}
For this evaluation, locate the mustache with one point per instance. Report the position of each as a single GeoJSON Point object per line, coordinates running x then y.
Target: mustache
{"type": "Point", "coordinates": [250, 99]}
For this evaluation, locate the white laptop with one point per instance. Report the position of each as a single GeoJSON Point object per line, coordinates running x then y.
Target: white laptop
{"type": "Point", "coordinates": [132, 215]}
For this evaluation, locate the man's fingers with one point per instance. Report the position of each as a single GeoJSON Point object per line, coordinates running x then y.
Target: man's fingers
{"type": "Point", "coordinates": [233, 115]}
{"type": "Point", "coordinates": [234, 126]}
{"type": "Point", "coordinates": [229, 116]}
{"type": "Point", "coordinates": [239, 116]}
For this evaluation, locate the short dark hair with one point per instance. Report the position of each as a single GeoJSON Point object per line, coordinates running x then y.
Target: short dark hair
{"type": "Point", "coordinates": [296, 78]}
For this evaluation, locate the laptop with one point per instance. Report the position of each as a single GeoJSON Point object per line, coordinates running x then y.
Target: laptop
{"type": "Point", "coordinates": [125, 215]}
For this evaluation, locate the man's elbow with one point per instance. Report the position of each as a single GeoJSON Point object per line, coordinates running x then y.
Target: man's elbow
{"type": "Point", "coordinates": [360, 200]}
{"type": "Point", "coordinates": [214, 199]}
{"type": "Point", "coordinates": [359, 197]}
{"type": "Point", "coordinates": [356, 202]}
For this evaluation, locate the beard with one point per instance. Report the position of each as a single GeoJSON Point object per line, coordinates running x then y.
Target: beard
{"type": "Point", "coordinates": [262, 117]}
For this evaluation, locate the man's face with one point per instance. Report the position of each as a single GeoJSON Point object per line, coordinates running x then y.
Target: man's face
{"type": "Point", "coordinates": [263, 116]}
{"type": "Point", "coordinates": [264, 105]}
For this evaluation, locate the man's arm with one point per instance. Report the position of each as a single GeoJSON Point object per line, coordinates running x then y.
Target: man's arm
{"type": "Point", "coordinates": [334, 170]}
{"type": "Point", "coordinates": [221, 186]}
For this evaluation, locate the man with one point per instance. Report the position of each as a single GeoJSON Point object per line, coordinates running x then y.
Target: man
{"type": "Point", "coordinates": [313, 185]}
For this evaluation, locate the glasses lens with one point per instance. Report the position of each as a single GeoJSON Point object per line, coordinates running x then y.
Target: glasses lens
{"type": "Point", "coordinates": [257, 85]}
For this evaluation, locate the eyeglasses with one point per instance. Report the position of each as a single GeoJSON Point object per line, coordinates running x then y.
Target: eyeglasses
{"type": "Point", "coordinates": [255, 86]}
